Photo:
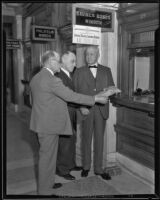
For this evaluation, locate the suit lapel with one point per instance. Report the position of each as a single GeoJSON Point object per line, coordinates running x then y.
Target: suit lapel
{"type": "Point", "coordinates": [100, 78]}
{"type": "Point", "coordinates": [65, 79]}
{"type": "Point", "coordinates": [89, 77]}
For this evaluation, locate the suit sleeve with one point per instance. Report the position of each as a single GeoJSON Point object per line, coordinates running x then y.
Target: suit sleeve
{"type": "Point", "coordinates": [68, 95]}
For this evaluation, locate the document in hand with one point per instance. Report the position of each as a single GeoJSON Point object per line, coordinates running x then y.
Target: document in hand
{"type": "Point", "coordinates": [109, 91]}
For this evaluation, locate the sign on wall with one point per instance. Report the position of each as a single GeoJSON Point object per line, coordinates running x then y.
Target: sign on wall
{"type": "Point", "coordinates": [43, 33]}
{"type": "Point", "coordinates": [86, 35]}
{"type": "Point", "coordinates": [95, 17]}
{"type": "Point", "coordinates": [13, 44]}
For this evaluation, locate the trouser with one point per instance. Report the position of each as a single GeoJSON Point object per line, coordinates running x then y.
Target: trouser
{"type": "Point", "coordinates": [47, 163]}
{"type": "Point", "coordinates": [94, 123]}
{"type": "Point", "coordinates": [66, 154]}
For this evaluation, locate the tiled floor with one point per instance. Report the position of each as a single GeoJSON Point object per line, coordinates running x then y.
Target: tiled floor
{"type": "Point", "coordinates": [22, 149]}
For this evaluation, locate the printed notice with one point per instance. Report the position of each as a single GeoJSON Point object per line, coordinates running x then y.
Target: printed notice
{"type": "Point", "coordinates": [86, 35]}
{"type": "Point", "coordinates": [43, 33]}
{"type": "Point", "coordinates": [13, 44]}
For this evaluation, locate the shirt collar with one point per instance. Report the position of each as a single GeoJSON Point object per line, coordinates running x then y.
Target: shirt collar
{"type": "Point", "coordinates": [66, 72]}
{"type": "Point", "coordinates": [94, 64]}
{"type": "Point", "coordinates": [49, 70]}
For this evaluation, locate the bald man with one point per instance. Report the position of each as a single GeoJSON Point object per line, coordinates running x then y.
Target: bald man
{"type": "Point", "coordinates": [91, 79]}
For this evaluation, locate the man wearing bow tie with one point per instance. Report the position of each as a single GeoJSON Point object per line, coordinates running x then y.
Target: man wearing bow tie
{"type": "Point", "coordinates": [90, 80]}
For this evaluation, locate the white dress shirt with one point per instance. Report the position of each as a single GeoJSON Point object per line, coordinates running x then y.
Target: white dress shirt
{"type": "Point", "coordinates": [49, 70]}
{"type": "Point", "coordinates": [94, 70]}
{"type": "Point", "coordinates": [66, 72]}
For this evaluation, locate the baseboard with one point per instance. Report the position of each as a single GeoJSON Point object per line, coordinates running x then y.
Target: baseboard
{"type": "Point", "coordinates": [21, 163]}
{"type": "Point", "coordinates": [22, 187]}
{"type": "Point", "coordinates": [143, 173]}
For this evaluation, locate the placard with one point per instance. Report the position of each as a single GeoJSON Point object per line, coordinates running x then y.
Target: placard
{"type": "Point", "coordinates": [13, 44]}
{"type": "Point", "coordinates": [86, 35]}
{"type": "Point", "coordinates": [43, 33]}
{"type": "Point", "coordinates": [94, 17]}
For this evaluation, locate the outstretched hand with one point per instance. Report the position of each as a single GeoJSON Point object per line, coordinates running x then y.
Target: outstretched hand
{"type": "Point", "coordinates": [110, 91]}
{"type": "Point", "coordinates": [100, 98]}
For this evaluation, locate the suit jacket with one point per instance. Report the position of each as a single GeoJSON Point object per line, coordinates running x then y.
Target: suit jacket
{"type": "Point", "coordinates": [71, 106]}
{"type": "Point", "coordinates": [85, 83]}
{"type": "Point", "coordinates": [49, 110]}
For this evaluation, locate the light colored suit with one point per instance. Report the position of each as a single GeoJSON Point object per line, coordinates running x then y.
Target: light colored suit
{"type": "Point", "coordinates": [50, 118]}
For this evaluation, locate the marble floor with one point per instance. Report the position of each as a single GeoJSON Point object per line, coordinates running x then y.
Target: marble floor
{"type": "Point", "coordinates": [22, 150]}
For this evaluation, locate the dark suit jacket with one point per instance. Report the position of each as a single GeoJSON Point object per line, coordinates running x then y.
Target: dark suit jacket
{"type": "Point", "coordinates": [85, 83]}
{"type": "Point", "coordinates": [49, 110]}
{"type": "Point", "coordinates": [71, 106]}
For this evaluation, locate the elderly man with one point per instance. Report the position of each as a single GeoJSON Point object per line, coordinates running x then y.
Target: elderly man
{"type": "Point", "coordinates": [50, 117]}
{"type": "Point", "coordinates": [67, 144]}
{"type": "Point", "coordinates": [90, 80]}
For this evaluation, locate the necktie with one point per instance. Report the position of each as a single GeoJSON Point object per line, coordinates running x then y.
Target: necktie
{"type": "Point", "coordinates": [93, 66]}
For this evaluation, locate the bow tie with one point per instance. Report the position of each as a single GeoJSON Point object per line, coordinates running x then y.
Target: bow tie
{"type": "Point", "coordinates": [93, 66]}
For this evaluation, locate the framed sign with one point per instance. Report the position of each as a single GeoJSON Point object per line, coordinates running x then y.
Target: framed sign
{"type": "Point", "coordinates": [44, 33]}
{"type": "Point", "coordinates": [13, 44]}
{"type": "Point", "coordinates": [92, 16]}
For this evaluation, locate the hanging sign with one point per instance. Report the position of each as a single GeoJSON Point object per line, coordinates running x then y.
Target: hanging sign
{"type": "Point", "coordinates": [86, 35]}
{"type": "Point", "coordinates": [95, 17]}
{"type": "Point", "coordinates": [13, 44]}
{"type": "Point", "coordinates": [43, 33]}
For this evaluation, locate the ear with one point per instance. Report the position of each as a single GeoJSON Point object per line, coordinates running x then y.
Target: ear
{"type": "Point", "coordinates": [98, 55]}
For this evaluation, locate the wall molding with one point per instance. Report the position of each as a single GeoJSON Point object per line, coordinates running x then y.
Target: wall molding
{"type": "Point", "coordinates": [143, 173]}
{"type": "Point", "coordinates": [22, 187]}
{"type": "Point", "coordinates": [22, 163]}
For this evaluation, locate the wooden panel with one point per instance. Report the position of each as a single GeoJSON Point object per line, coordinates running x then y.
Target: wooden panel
{"type": "Point", "coordinates": [124, 60]}
{"type": "Point", "coordinates": [145, 137]}
{"type": "Point", "coordinates": [38, 50]}
{"type": "Point", "coordinates": [138, 119]}
{"type": "Point", "coordinates": [135, 150]}
{"type": "Point", "coordinates": [135, 127]}
{"type": "Point", "coordinates": [142, 37]}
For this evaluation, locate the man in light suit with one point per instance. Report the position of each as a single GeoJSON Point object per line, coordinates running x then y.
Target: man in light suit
{"type": "Point", "coordinates": [50, 117]}
{"type": "Point", "coordinates": [90, 80]}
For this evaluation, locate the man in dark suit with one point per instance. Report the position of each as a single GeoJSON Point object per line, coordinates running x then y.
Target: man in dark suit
{"type": "Point", "coordinates": [50, 117]}
{"type": "Point", "coordinates": [67, 144]}
{"type": "Point", "coordinates": [90, 80]}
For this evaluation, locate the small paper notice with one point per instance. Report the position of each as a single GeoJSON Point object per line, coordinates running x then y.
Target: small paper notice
{"type": "Point", "coordinates": [86, 35]}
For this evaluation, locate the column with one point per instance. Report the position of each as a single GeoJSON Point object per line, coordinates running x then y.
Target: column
{"type": "Point", "coordinates": [20, 63]}
{"type": "Point", "coordinates": [108, 51]}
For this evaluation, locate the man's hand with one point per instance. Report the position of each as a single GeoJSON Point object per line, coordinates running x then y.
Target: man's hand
{"type": "Point", "coordinates": [84, 111]}
{"type": "Point", "coordinates": [101, 98]}
{"type": "Point", "coordinates": [109, 91]}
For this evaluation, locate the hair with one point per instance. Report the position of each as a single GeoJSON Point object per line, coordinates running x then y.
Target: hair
{"type": "Point", "coordinates": [92, 46]}
{"type": "Point", "coordinates": [65, 55]}
{"type": "Point", "coordinates": [49, 54]}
